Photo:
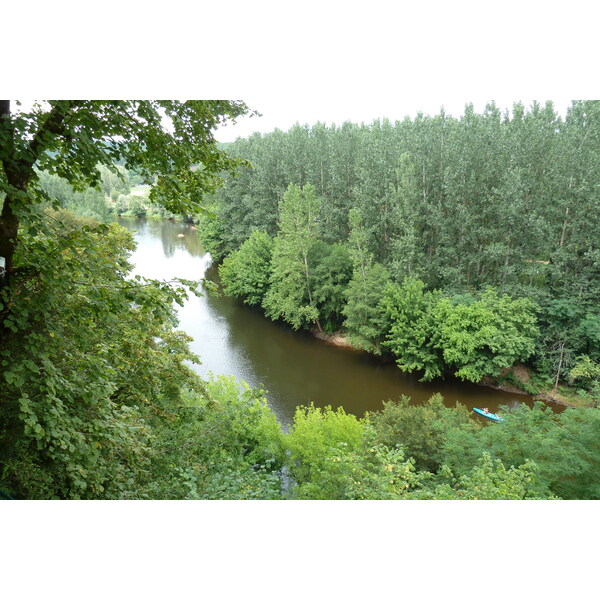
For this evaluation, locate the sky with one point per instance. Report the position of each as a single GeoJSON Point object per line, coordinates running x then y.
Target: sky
{"type": "Point", "coordinates": [325, 60]}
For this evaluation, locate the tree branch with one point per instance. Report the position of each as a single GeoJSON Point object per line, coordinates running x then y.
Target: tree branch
{"type": "Point", "coordinates": [54, 123]}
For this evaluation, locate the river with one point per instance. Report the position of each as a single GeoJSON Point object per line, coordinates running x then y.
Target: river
{"type": "Point", "coordinates": [294, 367]}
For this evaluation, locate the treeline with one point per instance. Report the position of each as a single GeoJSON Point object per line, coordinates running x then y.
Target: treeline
{"type": "Point", "coordinates": [496, 215]}
{"type": "Point", "coordinates": [115, 196]}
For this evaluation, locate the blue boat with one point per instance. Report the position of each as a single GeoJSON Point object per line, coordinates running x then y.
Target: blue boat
{"type": "Point", "coordinates": [488, 415]}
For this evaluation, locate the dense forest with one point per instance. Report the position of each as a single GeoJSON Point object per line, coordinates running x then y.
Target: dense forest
{"type": "Point", "coordinates": [454, 245]}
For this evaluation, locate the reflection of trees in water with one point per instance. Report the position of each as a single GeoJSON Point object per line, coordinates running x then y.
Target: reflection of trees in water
{"type": "Point", "coordinates": [191, 241]}
{"type": "Point", "coordinates": [279, 357]}
{"type": "Point", "coordinates": [173, 234]}
{"type": "Point", "coordinates": [168, 238]}
{"type": "Point", "coordinates": [134, 225]}
{"type": "Point", "coordinates": [212, 274]}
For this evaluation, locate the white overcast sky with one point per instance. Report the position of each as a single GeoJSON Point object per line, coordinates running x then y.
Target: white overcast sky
{"type": "Point", "coordinates": [326, 61]}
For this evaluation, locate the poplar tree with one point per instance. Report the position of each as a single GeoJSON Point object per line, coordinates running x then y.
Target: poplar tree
{"type": "Point", "coordinates": [290, 296]}
{"type": "Point", "coordinates": [364, 318]}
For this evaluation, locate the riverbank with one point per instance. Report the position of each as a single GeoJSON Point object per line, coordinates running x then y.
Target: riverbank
{"type": "Point", "coordinates": [518, 380]}
{"type": "Point", "coordinates": [335, 339]}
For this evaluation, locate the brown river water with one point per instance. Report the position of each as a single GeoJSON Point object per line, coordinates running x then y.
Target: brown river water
{"type": "Point", "coordinates": [294, 367]}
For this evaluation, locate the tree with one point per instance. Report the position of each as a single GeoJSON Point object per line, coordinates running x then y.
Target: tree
{"type": "Point", "coordinates": [482, 337]}
{"type": "Point", "coordinates": [290, 295]}
{"type": "Point", "coordinates": [563, 446]}
{"type": "Point", "coordinates": [413, 332]}
{"type": "Point", "coordinates": [407, 251]}
{"type": "Point", "coordinates": [315, 435]}
{"type": "Point", "coordinates": [586, 373]}
{"type": "Point", "coordinates": [421, 429]}
{"type": "Point", "coordinates": [114, 183]}
{"type": "Point", "coordinates": [330, 270]}
{"type": "Point", "coordinates": [335, 456]}
{"type": "Point", "coordinates": [88, 358]}
{"type": "Point", "coordinates": [365, 321]}
{"type": "Point", "coordinates": [364, 318]}
{"type": "Point", "coordinates": [170, 140]}
{"type": "Point", "coordinates": [246, 272]}
{"type": "Point", "coordinates": [88, 203]}
{"type": "Point", "coordinates": [489, 479]}
{"type": "Point", "coordinates": [370, 472]}
{"type": "Point", "coordinates": [222, 444]}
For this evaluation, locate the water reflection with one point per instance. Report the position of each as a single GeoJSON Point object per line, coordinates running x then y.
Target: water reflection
{"type": "Point", "coordinates": [174, 235]}
{"type": "Point", "coordinates": [294, 367]}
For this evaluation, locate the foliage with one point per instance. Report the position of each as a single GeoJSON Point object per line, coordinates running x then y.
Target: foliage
{"type": "Point", "coordinates": [413, 332]}
{"type": "Point", "coordinates": [329, 272]}
{"type": "Point", "coordinates": [534, 454]}
{"type": "Point", "coordinates": [569, 328]}
{"type": "Point", "coordinates": [246, 272]}
{"type": "Point", "coordinates": [334, 456]}
{"type": "Point", "coordinates": [87, 203]}
{"type": "Point", "coordinates": [130, 205]}
{"type": "Point", "coordinates": [574, 474]}
{"type": "Point", "coordinates": [114, 183]}
{"type": "Point", "coordinates": [420, 429]}
{"type": "Point", "coordinates": [585, 370]}
{"type": "Point", "coordinates": [488, 480]}
{"type": "Point", "coordinates": [222, 444]}
{"type": "Point", "coordinates": [315, 435]}
{"type": "Point", "coordinates": [365, 320]}
{"type": "Point", "coordinates": [364, 317]}
{"type": "Point", "coordinates": [211, 233]}
{"type": "Point", "coordinates": [368, 473]}
{"type": "Point", "coordinates": [482, 337]}
{"type": "Point", "coordinates": [563, 447]}
{"type": "Point", "coordinates": [472, 337]}
{"type": "Point", "coordinates": [290, 296]}
{"type": "Point", "coordinates": [88, 357]}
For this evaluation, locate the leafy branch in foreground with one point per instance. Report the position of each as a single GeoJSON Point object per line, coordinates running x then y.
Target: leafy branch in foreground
{"type": "Point", "coordinates": [167, 142]}
{"type": "Point", "coordinates": [85, 367]}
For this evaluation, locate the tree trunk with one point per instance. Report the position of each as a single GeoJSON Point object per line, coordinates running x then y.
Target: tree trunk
{"type": "Point", "coordinates": [18, 171]}
{"type": "Point", "coordinates": [560, 362]}
{"type": "Point", "coordinates": [564, 228]}
{"type": "Point", "coordinates": [310, 300]}
{"type": "Point", "coordinates": [9, 229]}
{"type": "Point", "coordinates": [9, 223]}
{"type": "Point", "coordinates": [505, 272]}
